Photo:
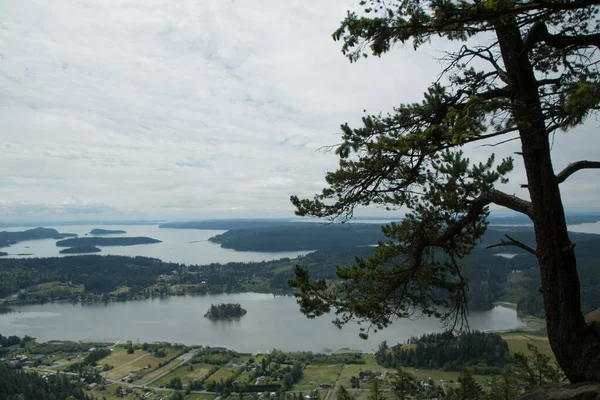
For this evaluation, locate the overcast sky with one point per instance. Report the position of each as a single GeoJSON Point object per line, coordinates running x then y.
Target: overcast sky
{"type": "Point", "coordinates": [150, 109]}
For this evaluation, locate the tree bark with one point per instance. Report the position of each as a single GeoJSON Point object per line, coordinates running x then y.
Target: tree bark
{"type": "Point", "coordinates": [575, 345]}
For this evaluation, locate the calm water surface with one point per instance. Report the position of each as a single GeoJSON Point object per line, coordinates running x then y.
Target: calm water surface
{"type": "Point", "coordinates": [186, 246]}
{"type": "Point", "coordinates": [271, 322]}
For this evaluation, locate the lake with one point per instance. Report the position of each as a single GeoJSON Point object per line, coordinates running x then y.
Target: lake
{"type": "Point", "coordinates": [186, 246]}
{"type": "Point", "coordinates": [271, 322]}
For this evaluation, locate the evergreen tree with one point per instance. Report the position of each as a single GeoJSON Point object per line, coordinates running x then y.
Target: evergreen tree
{"type": "Point", "coordinates": [469, 389]}
{"type": "Point", "coordinates": [525, 70]}
{"type": "Point", "coordinates": [343, 394]}
{"type": "Point", "coordinates": [404, 385]}
{"type": "Point", "coordinates": [376, 392]}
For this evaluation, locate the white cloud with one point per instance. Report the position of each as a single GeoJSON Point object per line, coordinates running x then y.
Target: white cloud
{"type": "Point", "coordinates": [188, 109]}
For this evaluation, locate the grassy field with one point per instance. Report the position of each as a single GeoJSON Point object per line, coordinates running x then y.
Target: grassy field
{"type": "Point", "coordinates": [183, 372]}
{"type": "Point", "coordinates": [124, 363]}
{"type": "Point", "coordinates": [155, 373]}
{"type": "Point", "coordinates": [517, 342]}
{"type": "Point", "coordinates": [201, 396]}
{"type": "Point", "coordinates": [110, 393]}
{"type": "Point", "coordinates": [319, 374]}
{"type": "Point", "coordinates": [223, 373]}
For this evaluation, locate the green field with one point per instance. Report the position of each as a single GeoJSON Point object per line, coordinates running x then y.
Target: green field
{"type": "Point", "coordinates": [153, 374]}
{"type": "Point", "coordinates": [200, 396]}
{"type": "Point", "coordinates": [183, 372]}
{"type": "Point", "coordinates": [517, 342]}
{"type": "Point", "coordinates": [223, 373]}
{"type": "Point", "coordinates": [319, 374]}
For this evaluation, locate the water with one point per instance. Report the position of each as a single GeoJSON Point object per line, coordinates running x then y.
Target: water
{"type": "Point", "coordinates": [588, 227]}
{"type": "Point", "coordinates": [271, 322]}
{"type": "Point", "coordinates": [187, 246]}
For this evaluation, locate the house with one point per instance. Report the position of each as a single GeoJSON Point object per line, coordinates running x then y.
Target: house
{"type": "Point", "coordinates": [92, 349]}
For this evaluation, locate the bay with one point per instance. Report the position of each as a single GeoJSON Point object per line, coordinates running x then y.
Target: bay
{"type": "Point", "coordinates": [271, 322]}
{"type": "Point", "coordinates": [186, 246]}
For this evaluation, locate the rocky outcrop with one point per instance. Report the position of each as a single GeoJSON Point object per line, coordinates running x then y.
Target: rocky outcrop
{"type": "Point", "coordinates": [576, 391]}
{"type": "Point", "coordinates": [593, 316]}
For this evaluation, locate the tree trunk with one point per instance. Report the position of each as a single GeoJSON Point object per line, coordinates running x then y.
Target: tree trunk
{"type": "Point", "coordinates": [575, 345]}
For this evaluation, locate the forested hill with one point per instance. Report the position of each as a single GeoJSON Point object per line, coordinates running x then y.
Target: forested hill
{"type": "Point", "coordinates": [300, 236]}
{"type": "Point", "coordinates": [8, 238]}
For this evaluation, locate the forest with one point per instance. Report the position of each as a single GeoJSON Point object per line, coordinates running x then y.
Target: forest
{"type": "Point", "coordinates": [17, 384]}
{"type": "Point", "coordinates": [484, 353]}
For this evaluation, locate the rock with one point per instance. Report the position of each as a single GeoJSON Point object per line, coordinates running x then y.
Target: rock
{"type": "Point", "coordinates": [575, 391]}
{"type": "Point", "coordinates": [593, 316]}
{"type": "Point", "coordinates": [593, 320]}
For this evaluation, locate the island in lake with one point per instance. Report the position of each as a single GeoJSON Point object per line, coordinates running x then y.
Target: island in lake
{"type": "Point", "coordinates": [104, 241]}
{"type": "Point", "coordinates": [80, 250]}
{"type": "Point", "coordinates": [2, 254]}
{"type": "Point", "coordinates": [225, 310]}
{"type": "Point", "coordinates": [99, 231]}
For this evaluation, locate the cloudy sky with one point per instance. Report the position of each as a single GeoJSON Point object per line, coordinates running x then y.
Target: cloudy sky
{"type": "Point", "coordinates": [151, 109]}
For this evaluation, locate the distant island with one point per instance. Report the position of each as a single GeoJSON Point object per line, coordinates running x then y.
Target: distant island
{"type": "Point", "coordinates": [225, 310]}
{"type": "Point", "coordinates": [300, 236]}
{"type": "Point", "coordinates": [8, 238]}
{"type": "Point", "coordinates": [103, 241]}
{"type": "Point", "coordinates": [99, 231]}
{"type": "Point", "coordinates": [2, 254]}
{"type": "Point", "coordinates": [80, 250]}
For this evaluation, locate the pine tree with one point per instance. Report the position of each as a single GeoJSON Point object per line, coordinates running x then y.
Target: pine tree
{"type": "Point", "coordinates": [525, 69]}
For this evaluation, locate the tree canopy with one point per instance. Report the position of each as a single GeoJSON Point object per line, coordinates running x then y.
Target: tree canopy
{"type": "Point", "coordinates": [524, 70]}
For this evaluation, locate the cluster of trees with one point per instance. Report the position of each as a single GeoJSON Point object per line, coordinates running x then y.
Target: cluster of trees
{"type": "Point", "coordinates": [225, 310]}
{"type": "Point", "coordinates": [213, 355]}
{"type": "Point", "coordinates": [93, 357]}
{"type": "Point", "coordinates": [16, 384]}
{"type": "Point", "coordinates": [279, 367]}
{"type": "Point", "coordinates": [8, 341]}
{"type": "Point", "coordinates": [487, 353]}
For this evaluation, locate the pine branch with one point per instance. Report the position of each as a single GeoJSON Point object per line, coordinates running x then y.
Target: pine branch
{"type": "Point", "coordinates": [574, 167]}
{"type": "Point", "coordinates": [513, 242]}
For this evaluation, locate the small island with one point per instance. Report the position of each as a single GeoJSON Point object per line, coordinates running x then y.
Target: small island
{"type": "Point", "coordinates": [99, 231]}
{"type": "Point", "coordinates": [2, 254]}
{"type": "Point", "coordinates": [80, 250]}
{"type": "Point", "coordinates": [106, 241]}
{"type": "Point", "coordinates": [225, 311]}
